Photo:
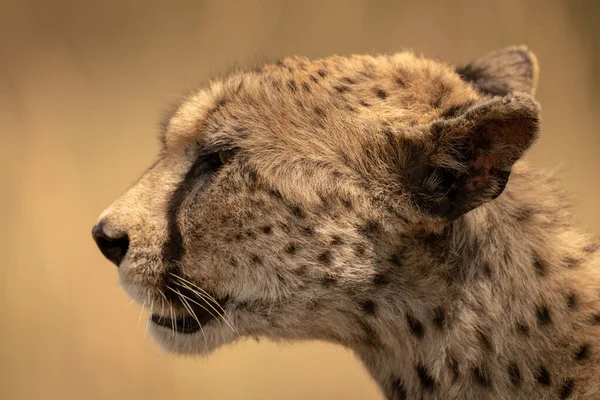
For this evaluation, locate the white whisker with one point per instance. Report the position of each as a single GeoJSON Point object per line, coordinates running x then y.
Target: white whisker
{"type": "Point", "coordinates": [199, 289]}
{"type": "Point", "coordinates": [205, 296]}
{"type": "Point", "coordinates": [172, 319]}
{"type": "Point", "coordinates": [210, 305]}
{"type": "Point", "coordinates": [140, 316]}
{"type": "Point", "coordinates": [205, 309]}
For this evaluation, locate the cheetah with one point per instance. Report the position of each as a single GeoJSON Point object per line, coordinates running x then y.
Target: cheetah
{"type": "Point", "coordinates": [378, 202]}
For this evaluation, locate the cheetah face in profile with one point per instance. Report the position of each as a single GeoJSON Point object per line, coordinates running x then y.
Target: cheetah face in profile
{"type": "Point", "coordinates": [285, 199]}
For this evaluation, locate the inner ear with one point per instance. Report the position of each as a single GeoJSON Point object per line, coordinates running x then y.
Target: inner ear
{"type": "Point", "coordinates": [471, 156]}
{"type": "Point", "coordinates": [514, 69]}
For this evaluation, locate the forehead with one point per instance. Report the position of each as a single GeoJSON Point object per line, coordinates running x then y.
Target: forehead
{"type": "Point", "coordinates": [318, 101]}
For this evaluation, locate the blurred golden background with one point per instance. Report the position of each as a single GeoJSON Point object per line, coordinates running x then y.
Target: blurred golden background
{"type": "Point", "coordinates": [82, 88]}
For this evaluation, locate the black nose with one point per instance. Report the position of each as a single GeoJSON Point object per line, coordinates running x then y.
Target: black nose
{"type": "Point", "coordinates": [113, 248]}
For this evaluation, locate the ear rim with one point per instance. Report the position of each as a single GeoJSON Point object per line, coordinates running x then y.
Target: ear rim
{"type": "Point", "coordinates": [502, 72]}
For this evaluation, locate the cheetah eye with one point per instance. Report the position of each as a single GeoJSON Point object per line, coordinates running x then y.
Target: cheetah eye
{"type": "Point", "coordinates": [225, 156]}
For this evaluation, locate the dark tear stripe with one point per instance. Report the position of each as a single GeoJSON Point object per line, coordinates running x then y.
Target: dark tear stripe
{"type": "Point", "coordinates": [172, 250]}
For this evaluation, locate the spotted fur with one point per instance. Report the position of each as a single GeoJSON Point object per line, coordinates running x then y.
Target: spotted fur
{"type": "Point", "coordinates": [376, 202]}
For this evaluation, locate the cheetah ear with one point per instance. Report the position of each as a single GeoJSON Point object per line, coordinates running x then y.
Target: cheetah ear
{"type": "Point", "coordinates": [466, 160]}
{"type": "Point", "coordinates": [514, 69]}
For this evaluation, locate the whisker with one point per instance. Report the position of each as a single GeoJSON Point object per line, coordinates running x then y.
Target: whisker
{"type": "Point", "coordinates": [163, 302]}
{"type": "Point", "coordinates": [188, 307]}
{"type": "Point", "coordinates": [204, 297]}
{"type": "Point", "coordinates": [205, 309]}
{"type": "Point", "coordinates": [146, 330]}
{"type": "Point", "coordinates": [210, 305]}
{"type": "Point", "coordinates": [197, 287]}
{"type": "Point", "coordinates": [140, 316]}
{"type": "Point", "coordinates": [172, 319]}
{"type": "Point", "coordinates": [191, 311]}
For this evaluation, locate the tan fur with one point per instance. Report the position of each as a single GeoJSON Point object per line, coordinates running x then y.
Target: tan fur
{"type": "Point", "coordinates": [332, 222]}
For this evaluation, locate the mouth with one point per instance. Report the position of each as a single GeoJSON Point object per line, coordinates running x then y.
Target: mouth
{"type": "Point", "coordinates": [198, 313]}
{"type": "Point", "coordinates": [184, 325]}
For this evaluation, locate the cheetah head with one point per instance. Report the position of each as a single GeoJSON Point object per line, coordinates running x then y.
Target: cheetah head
{"type": "Point", "coordinates": [285, 199]}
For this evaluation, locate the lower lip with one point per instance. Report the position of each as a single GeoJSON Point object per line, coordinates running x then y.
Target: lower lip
{"type": "Point", "coordinates": [185, 325]}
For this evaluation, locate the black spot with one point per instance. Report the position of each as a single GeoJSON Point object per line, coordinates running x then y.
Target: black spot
{"type": "Point", "coordinates": [238, 237]}
{"type": "Point", "coordinates": [241, 130]}
{"type": "Point", "coordinates": [275, 193]}
{"type": "Point", "coordinates": [482, 376]}
{"type": "Point", "coordinates": [514, 373]}
{"type": "Point", "coordinates": [592, 248]}
{"type": "Point", "coordinates": [425, 377]}
{"type": "Point", "coordinates": [256, 259]}
{"type": "Point", "coordinates": [298, 212]}
{"type": "Point", "coordinates": [292, 86]}
{"type": "Point", "coordinates": [567, 389]}
{"type": "Point", "coordinates": [524, 214]}
{"type": "Point", "coordinates": [291, 248]}
{"type": "Point", "coordinates": [370, 336]}
{"type": "Point", "coordinates": [325, 257]}
{"type": "Point", "coordinates": [341, 88]}
{"type": "Point", "coordinates": [347, 203]}
{"type": "Point", "coordinates": [381, 280]}
{"type": "Point", "coordinates": [415, 326]}
{"type": "Point", "coordinates": [571, 300]}
{"type": "Point", "coordinates": [301, 270]}
{"type": "Point", "coordinates": [336, 240]}
{"type": "Point", "coordinates": [322, 73]}
{"type": "Point", "coordinates": [364, 103]}
{"type": "Point", "coordinates": [267, 229]}
{"type": "Point", "coordinates": [487, 270]}
{"type": "Point", "coordinates": [382, 94]}
{"type": "Point", "coordinates": [453, 365]}
{"type": "Point", "coordinates": [400, 81]}
{"type": "Point", "coordinates": [359, 250]}
{"type": "Point", "coordinates": [540, 266]}
{"type": "Point", "coordinates": [308, 230]}
{"type": "Point", "coordinates": [250, 234]}
{"type": "Point", "coordinates": [439, 317]}
{"type": "Point", "coordinates": [484, 340]}
{"type": "Point", "coordinates": [595, 319]}
{"type": "Point", "coordinates": [572, 262]}
{"type": "Point", "coordinates": [369, 228]}
{"type": "Point", "coordinates": [398, 390]}
{"type": "Point", "coordinates": [306, 86]}
{"type": "Point", "coordinates": [368, 306]}
{"type": "Point", "coordinates": [320, 112]}
{"type": "Point", "coordinates": [328, 281]}
{"type": "Point", "coordinates": [543, 376]}
{"type": "Point", "coordinates": [396, 259]}
{"type": "Point", "coordinates": [583, 352]}
{"type": "Point", "coordinates": [348, 80]}
{"type": "Point", "coordinates": [523, 329]}
{"type": "Point", "coordinates": [543, 315]}
{"type": "Point", "coordinates": [314, 79]}
{"type": "Point", "coordinates": [252, 178]}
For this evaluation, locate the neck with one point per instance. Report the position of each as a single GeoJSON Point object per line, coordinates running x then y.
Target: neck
{"type": "Point", "coordinates": [505, 305]}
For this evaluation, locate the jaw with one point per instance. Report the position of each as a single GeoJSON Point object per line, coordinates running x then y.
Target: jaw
{"type": "Point", "coordinates": [202, 342]}
{"type": "Point", "coordinates": [184, 319]}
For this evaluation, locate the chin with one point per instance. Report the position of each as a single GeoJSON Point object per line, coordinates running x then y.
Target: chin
{"type": "Point", "coordinates": [201, 342]}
